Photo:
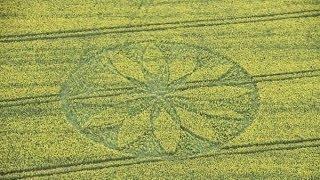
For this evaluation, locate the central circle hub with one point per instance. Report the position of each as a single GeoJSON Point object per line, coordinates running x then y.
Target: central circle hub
{"type": "Point", "coordinates": [157, 87]}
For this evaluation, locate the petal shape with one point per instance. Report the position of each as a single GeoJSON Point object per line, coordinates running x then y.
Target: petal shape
{"type": "Point", "coordinates": [157, 67]}
{"type": "Point", "coordinates": [127, 67]}
{"type": "Point", "coordinates": [155, 62]}
{"type": "Point", "coordinates": [167, 131]}
{"type": "Point", "coordinates": [196, 124]}
{"type": "Point", "coordinates": [180, 68]}
{"type": "Point", "coordinates": [209, 73]}
{"type": "Point", "coordinates": [152, 52]}
{"type": "Point", "coordinates": [133, 128]}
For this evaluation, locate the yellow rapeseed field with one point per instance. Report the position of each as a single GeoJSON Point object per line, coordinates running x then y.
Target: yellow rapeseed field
{"type": "Point", "coordinates": [158, 89]}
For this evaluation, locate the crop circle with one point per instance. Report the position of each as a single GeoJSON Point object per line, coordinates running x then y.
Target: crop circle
{"type": "Point", "coordinates": [160, 98]}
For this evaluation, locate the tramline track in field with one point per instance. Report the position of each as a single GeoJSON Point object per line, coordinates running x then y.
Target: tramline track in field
{"type": "Point", "coordinates": [127, 161]}
{"type": "Point", "coordinates": [48, 98]}
{"type": "Point", "coordinates": [156, 26]}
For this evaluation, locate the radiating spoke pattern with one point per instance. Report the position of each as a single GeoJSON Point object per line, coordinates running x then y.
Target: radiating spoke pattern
{"type": "Point", "coordinates": [152, 98]}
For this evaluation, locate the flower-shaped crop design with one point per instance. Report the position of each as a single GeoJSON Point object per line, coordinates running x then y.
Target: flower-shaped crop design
{"type": "Point", "coordinates": [150, 98]}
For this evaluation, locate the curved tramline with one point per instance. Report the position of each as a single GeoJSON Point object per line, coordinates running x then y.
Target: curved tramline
{"type": "Point", "coordinates": [160, 98]}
